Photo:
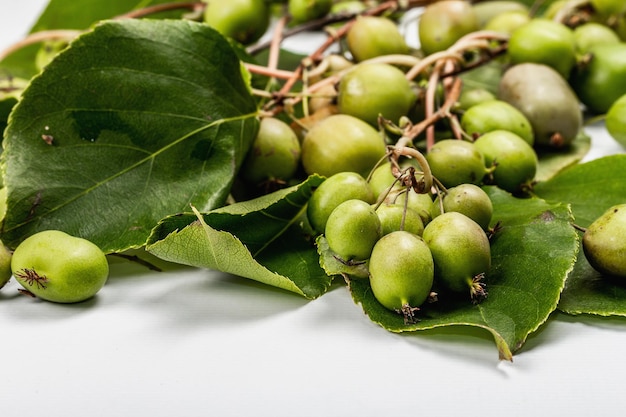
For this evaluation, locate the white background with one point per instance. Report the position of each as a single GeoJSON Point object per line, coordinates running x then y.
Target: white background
{"type": "Point", "coordinates": [190, 342]}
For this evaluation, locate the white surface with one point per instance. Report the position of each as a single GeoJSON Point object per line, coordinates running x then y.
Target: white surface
{"type": "Point", "coordinates": [191, 342]}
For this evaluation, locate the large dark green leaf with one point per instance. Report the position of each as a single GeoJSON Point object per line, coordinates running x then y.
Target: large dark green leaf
{"type": "Point", "coordinates": [531, 256]}
{"type": "Point", "coordinates": [261, 239]}
{"type": "Point", "coordinates": [141, 119]}
{"type": "Point", "coordinates": [591, 189]}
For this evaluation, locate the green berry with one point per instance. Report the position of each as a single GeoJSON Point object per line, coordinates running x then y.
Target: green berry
{"type": "Point", "coordinates": [334, 191]}
{"type": "Point", "coordinates": [401, 272]}
{"type": "Point", "coordinates": [58, 267]}
{"type": "Point", "coordinates": [461, 252]}
{"type": "Point", "coordinates": [455, 162]}
{"type": "Point", "coordinates": [604, 244]}
{"type": "Point", "coordinates": [274, 154]}
{"type": "Point", "coordinates": [352, 229]}
{"type": "Point", "coordinates": [341, 143]}
{"type": "Point", "coordinates": [468, 199]}
{"type": "Point", "coordinates": [395, 217]}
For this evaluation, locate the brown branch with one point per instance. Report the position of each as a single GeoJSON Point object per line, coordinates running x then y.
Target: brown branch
{"type": "Point", "coordinates": [312, 25]}
{"type": "Point", "coordinates": [431, 96]}
{"type": "Point", "coordinates": [42, 36]}
{"type": "Point", "coordinates": [448, 83]}
{"type": "Point", "coordinates": [274, 73]}
{"type": "Point", "coordinates": [317, 55]}
{"type": "Point", "coordinates": [415, 130]}
{"type": "Point", "coordinates": [68, 34]}
{"type": "Point", "coordinates": [320, 23]}
{"type": "Point", "coordinates": [194, 6]}
{"type": "Point", "coordinates": [274, 53]}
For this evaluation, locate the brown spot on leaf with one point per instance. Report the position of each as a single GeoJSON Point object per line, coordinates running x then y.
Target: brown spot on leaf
{"type": "Point", "coordinates": [546, 216]}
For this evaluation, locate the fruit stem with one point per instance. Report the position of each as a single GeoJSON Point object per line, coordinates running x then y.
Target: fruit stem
{"type": "Point", "coordinates": [398, 60]}
{"type": "Point", "coordinates": [431, 93]}
{"type": "Point", "coordinates": [572, 12]}
{"type": "Point", "coordinates": [384, 195]}
{"type": "Point", "coordinates": [579, 228]}
{"type": "Point", "coordinates": [194, 6]}
{"type": "Point", "coordinates": [427, 176]}
{"type": "Point", "coordinates": [340, 17]}
{"type": "Point", "coordinates": [409, 313]}
{"type": "Point", "coordinates": [491, 232]}
{"type": "Point", "coordinates": [333, 37]}
{"type": "Point", "coordinates": [274, 73]}
{"type": "Point", "coordinates": [423, 64]}
{"type": "Point", "coordinates": [441, 196]}
{"type": "Point", "coordinates": [330, 40]}
{"type": "Point", "coordinates": [439, 186]}
{"type": "Point", "coordinates": [274, 52]}
{"type": "Point", "coordinates": [475, 40]}
{"type": "Point", "coordinates": [478, 289]}
{"type": "Point", "coordinates": [444, 111]}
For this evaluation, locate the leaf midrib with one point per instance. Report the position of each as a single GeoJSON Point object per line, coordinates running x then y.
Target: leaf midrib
{"type": "Point", "coordinates": [150, 157]}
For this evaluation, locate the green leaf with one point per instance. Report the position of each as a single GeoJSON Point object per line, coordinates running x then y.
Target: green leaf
{"type": "Point", "coordinates": [141, 118]}
{"type": "Point", "coordinates": [591, 188]}
{"type": "Point", "coordinates": [21, 63]}
{"type": "Point", "coordinates": [532, 254]}
{"type": "Point", "coordinates": [333, 266]}
{"type": "Point", "coordinates": [486, 76]}
{"type": "Point", "coordinates": [589, 292]}
{"type": "Point", "coordinates": [260, 239]}
{"type": "Point", "coordinates": [552, 162]}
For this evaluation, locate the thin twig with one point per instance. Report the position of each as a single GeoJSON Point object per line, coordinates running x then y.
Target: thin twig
{"type": "Point", "coordinates": [443, 111]}
{"type": "Point", "coordinates": [42, 36]}
{"type": "Point", "coordinates": [274, 53]}
{"type": "Point", "coordinates": [194, 6]}
{"type": "Point", "coordinates": [68, 34]}
{"type": "Point", "coordinates": [320, 23]}
{"type": "Point", "coordinates": [431, 96]}
{"type": "Point", "coordinates": [317, 55]}
{"type": "Point", "coordinates": [274, 73]}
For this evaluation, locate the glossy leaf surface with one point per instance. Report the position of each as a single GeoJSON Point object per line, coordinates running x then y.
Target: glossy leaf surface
{"type": "Point", "coordinates": [591, 188]}
{"type": "Point", "coordinates": [134, 122]}
{"type": "Point", "coordinates": [261, 239]}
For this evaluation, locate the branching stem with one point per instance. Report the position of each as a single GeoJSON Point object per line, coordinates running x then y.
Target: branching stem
{"type": "Point", "coordinates": [42, 36]}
